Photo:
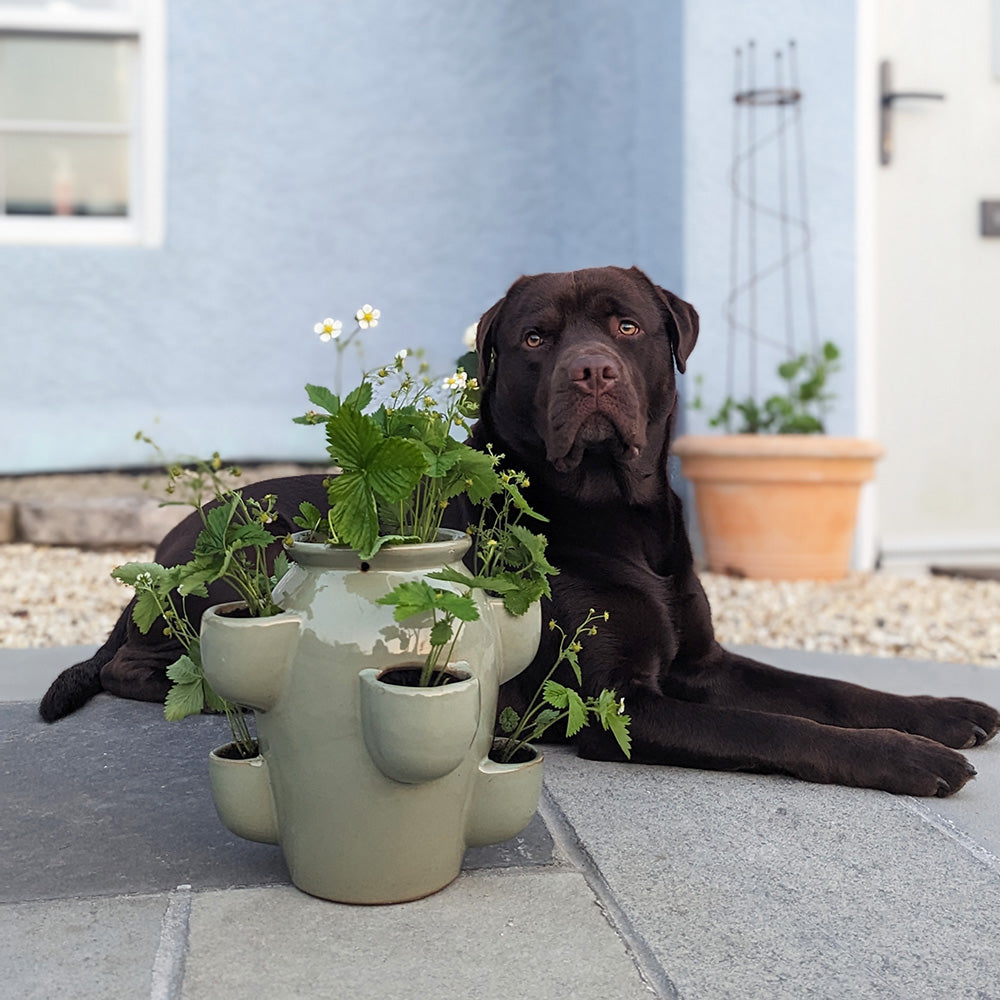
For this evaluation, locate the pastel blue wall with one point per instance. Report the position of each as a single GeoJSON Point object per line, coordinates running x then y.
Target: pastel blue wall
{"type": "Point", "coordinates": [415, 154]}
{"type": "Point", "coordinates": [825, 42]}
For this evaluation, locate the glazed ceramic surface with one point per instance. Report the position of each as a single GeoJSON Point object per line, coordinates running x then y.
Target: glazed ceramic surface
{"type": "Point", "coordinates": [242, 795]}
{"type": "Point", "coordinates": [349, 831]}
{"type": "Point", "coordinates": [416, 734]}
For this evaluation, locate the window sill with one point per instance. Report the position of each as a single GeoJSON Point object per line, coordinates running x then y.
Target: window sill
{"type": "Point", "coordinates": [73, 231]}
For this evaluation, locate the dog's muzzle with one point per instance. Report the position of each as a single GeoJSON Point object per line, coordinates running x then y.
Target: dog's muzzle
{"type": "Point", "coordinates": [592, 407]}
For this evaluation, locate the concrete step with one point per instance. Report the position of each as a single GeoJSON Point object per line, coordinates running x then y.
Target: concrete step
{"type": "Point", "coordinates": [102, 509]}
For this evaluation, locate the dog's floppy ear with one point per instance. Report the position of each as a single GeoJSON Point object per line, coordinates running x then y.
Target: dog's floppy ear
{"type": "Point", "coordinates": [484, 341]}
{"type": "Point", "coordinates": [685, 333]}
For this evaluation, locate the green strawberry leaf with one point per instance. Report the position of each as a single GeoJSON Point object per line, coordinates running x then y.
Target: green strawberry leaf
{"type": "Point", "coordinates": [353, 513]}
{"type": "Point", "coordinates": [509, 720]}
{"type": "Point", "coordinates": [323, 398]}
{"type": "Point", "coordinates": [184, 699]}
{"type": "Point", "coordinates": [184, 671]}
{"type": "Point", "coordinates": [145, 611]}
{"type": "Point", "coordinates": [412, 597]}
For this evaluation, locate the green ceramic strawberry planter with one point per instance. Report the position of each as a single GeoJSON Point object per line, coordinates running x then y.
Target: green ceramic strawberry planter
{"type": "Point", "coordinates": [373, 791]}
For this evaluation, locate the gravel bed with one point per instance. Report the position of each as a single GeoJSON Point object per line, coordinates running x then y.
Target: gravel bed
{"type": "Point", "coordinates": [872, 614]}
{"type": "Point", "coordinates": [56, 596]}
{"type": "Point", "coordinates": [65, 596]}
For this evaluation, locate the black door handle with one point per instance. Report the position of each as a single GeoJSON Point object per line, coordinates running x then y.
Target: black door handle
{"type": "Point", "coordinates": [886, 98]}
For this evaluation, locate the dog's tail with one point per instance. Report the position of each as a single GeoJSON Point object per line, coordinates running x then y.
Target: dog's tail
{"type": "Point", "coordinates": [76, 685]}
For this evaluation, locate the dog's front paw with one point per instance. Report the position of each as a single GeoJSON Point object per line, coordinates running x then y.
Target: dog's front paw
{"type": "Point", "coordinates": [955, 722]}
{"type": "Point", "coordinates": [909, 765]}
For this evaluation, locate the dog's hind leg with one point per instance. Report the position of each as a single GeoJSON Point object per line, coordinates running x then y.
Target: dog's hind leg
{"type": "Point", "coordinates": [139, 671]}
{"type": "Point", "coordinates": [76, 685]}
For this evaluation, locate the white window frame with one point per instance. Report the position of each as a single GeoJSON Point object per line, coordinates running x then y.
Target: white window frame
{"type": "Point", "coordinates": [144, 226]}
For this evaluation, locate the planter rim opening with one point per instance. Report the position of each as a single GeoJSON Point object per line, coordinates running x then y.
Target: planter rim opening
{"type": "Point", "coordinates": [451, 546]}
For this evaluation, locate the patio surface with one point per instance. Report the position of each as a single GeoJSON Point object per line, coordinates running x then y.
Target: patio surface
{"type": "Point", "coordinates": [117, 879]}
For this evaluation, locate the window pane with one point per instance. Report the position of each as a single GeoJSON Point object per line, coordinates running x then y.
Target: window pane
{"type": "Point", "coordinates": [46, 78]}
{"type": "Point", "coordinates": [64, 174]}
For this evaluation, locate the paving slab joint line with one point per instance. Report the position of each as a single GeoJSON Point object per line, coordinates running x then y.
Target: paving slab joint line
{"type": "Point", "coordinates": [569, 845]}
{"type": "Point", "coordinates": [946, 826]}
{"type": "Point", "coordinates": [171, 954]}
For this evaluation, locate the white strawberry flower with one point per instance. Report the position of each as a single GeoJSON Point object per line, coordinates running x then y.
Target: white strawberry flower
{"type": "Point", "coordinates": [367, 316]}
{"type": "Point", "coordinates": [456, 382]}
{"type": "Point", "coordinates": [329, 329]}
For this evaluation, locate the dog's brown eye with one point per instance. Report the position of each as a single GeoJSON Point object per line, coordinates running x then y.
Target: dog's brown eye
{"type": "Point", "coordinates": [628, 328]}
{"type": "Point", "coordinates": [533, 339]}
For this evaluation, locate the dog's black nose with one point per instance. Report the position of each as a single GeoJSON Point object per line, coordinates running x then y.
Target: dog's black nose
{"type": "Point", "coordinates": [593, 372]}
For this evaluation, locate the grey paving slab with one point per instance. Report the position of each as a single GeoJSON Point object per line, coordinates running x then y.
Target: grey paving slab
{"type": "Point", "coordinates": [114, 799]}
{"type": "Point", "coordinates": [752, 886]}
{"type": "Point", "coordinates": [81, 949]}
{"type": "Point", "coordinates": [25, 674]}
{"type": "Point", "coordinates": [888, 673]}
{"type": "Point", "coordinates": [975, 811]}
{"type": "Point", "coordinates": [528, 934]}
{"type": "Point", "coordinates": [718, 885]}
{"type": "Point", "coordinates": [761, 886]}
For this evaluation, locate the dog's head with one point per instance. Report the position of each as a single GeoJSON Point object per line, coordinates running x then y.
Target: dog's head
{"type": "Point", "coordinates": [577, 372]}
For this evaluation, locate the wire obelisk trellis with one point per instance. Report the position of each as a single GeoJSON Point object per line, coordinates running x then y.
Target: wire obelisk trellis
{"type": "Point", "coordinates": [768, 182]}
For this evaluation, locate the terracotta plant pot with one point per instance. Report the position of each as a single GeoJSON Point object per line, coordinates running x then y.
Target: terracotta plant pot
{"type": "Point", "coordinates": [777, 506]}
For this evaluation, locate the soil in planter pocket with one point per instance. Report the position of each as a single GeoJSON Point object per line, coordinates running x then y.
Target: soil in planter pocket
{"type": "Point", "coordinates": [232, 752]}
{"type": "Point", "coordinates": [520, 756]}
{"type": "Point", "coordinates": [410, 677]}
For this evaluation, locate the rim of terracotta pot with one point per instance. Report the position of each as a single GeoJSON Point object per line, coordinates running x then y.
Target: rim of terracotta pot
{"type": "Point", "coordinates": [776, 446]}
{"type": "Point", "coordinates": [450, 547]}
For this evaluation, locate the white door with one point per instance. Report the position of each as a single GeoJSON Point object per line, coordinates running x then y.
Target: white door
{"type": "Point", "coordinates": [933, 324]}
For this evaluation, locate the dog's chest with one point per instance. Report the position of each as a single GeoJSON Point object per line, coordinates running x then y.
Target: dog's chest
{"type": "Point", "coordinates": [620, 566]}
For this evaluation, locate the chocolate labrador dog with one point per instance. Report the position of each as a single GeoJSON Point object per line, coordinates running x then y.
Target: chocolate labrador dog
{"type": "Point", "coordinates": [579, 391]}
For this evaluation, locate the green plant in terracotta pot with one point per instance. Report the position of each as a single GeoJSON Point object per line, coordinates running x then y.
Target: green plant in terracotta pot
{"type": "Point", "coordinates": [775, 496]}
{"type": "Point", "coordinates": [800, 408]}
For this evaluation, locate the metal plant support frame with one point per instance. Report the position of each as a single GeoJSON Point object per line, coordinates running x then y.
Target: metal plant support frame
{"type": "Point", "coordinates": [754, 149]}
